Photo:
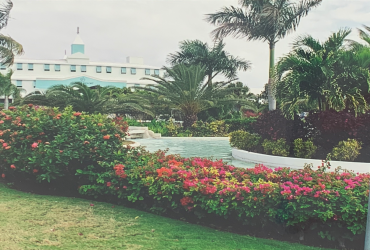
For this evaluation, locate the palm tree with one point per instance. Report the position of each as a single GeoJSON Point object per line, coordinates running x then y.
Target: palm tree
{"type": "Point", "coordinates": [266, 20]}
{"type": "Point", "coordinates": [322, 76]}
{"type": "Point", "coordinates": [91, 100]}
{"type": "Point", "coordinates": [186, 88]}
{"type": "Point", "coordinates": [8, 46]}
{"type": "Point", "coordinates": [215, 60]}
{"type": "Point", "coordinates": [8, 89]}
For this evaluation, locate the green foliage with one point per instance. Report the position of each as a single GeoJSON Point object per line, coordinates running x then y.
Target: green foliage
{"type": "Point", "coordinates": [245, 141]}
{"type": "Point", "coordinates": [172, 128]}
{"type": "Point", "coordinates": [47, 144]}
{"type": "Point", "coordinates": [241, 124]}
{"type": "Point", "coordinates": [212, 129]}
{"type": "Point", "coordinates": [303, 149]}
{"type": "Point", "coordinates": [158, 127]}
{"type": "Point", "coordinates": [346, 150]}
{"type": "Point", "coordinates": [278, 147]}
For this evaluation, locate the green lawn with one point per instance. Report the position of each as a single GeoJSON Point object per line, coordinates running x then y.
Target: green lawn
{"type": "Point", "coordinates": [30, 221]}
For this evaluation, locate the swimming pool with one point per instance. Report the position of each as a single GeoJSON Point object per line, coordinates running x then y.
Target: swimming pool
{"type": "Point", "coordinates": [210, 147]}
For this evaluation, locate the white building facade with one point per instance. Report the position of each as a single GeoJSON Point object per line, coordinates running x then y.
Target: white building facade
{"type": "Point", "coordinates": [39, 75]}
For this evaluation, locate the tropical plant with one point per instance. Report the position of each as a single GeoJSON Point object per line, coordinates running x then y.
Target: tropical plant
{"type": "Point", "coordinates": [215, 60]}
{"type": "Point", "coordinates": [266, 20]}
{"type": "Point", "coordinates": [91, 100]}
{"type": "Point", "coordinates": [7, 89]}
{"type": "Point", "coordinates": [9, 48]}
{"type": "Point", "coordinates": [303, 149]}
{"type": "Point", "coordinates": [322, 76]}
{"type": "Point", "coordinates": [278, 147]}
{"type": "Point", "coordinates": [346, 150]}
{"type": "Point", "coordinates": [185, 88]}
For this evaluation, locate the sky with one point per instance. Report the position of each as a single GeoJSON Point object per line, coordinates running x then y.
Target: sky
{"type": "Point", "coordinates": [152, 29]}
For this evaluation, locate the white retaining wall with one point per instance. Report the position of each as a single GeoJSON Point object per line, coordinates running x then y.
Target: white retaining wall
{"type": "Point", "coordinates": [295, 163]}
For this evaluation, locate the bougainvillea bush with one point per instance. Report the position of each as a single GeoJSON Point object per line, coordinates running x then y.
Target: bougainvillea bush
{"type": "Point", "coordinates": [48, 144]}
{"type": "Point", "coordinates": [332, 203]}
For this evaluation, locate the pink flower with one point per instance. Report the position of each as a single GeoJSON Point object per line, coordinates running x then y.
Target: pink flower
{"type": "Point", "coordinates": [109, 184]}
{"type": "Point", "coordinates": [34, 145]}
{"type": "Point", "coordinates": [91, 205]}
{"type": "Point", "coordinates": [124, 187]}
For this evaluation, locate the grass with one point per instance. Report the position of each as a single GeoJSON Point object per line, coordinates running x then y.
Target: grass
{"type": "Point", "coordinates": [29, 221]}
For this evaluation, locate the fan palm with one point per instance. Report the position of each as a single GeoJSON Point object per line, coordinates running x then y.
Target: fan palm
{"type": "Point", "coordinates": [215, 60]}
{"type": "Point", "coordinates": [322, 75]}
{"type": "Point", "coordinates": [8, 46]}
{"type": "Point", "coordinates": [266, 20]}
{"type": "Point", "coordinates": [91, 100]}
{"type": "Point", "coordinates": [186, 88]}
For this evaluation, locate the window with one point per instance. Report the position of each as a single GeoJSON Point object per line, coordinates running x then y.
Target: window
{"type": "Point", "coordinates": [123, 70]}
{"type": "Point", "coordinates": [73, 68]}
{"type": "Point", "coordinates": [19, 83]}
{"type": "Point", "coordinates": [83, 68]}
{"type": "Point", "coordinates": [57, 67]}
{"type": "Point", "coordinates": [109, 69]}
{"type": "Point", "coordinates": [2, 67]}
{"type": "Point", "coordinates": [156, 72]}
{"type": "Point", "coordinates": [98, 69]}
{"type": "Point", "coordinates": [147, 71]}
{"type": "Point", "coordinates": [30, 66]}
{"type": "Point", "coordinates": [34, 84]}
{"type": "Point", "coordinates": [133, 71]}
{"type": "Point", "coordinates": [19, 66]}
{"type": "Point", "coordinates": [46, 67]}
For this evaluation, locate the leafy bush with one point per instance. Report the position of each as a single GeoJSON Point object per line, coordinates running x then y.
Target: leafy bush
{"type": "Point", "coordinates": [214, 128]}
{"type": "Point", "coordinates": [48, 144]}
{"type": "Point", "coordinates": [273, 125]}
{"type": "Point", "coordinates": [240, 124]}
{"type": "Point", "coordinates": [173, 129]}
{"type": "Point", "coordinates": [328, 203]}
{"type": "Point", "coordinates": [132, 122]}
{"type": "Point", "coordinates": [245, 141]}
{"type": "Point", "coordinates": [346, 150]}
{"type": "Point", "coordinates": [304, 149]}
{"type": "Point", "coordinates": [278, 147]}
{"type": "Point", "coordinates": [158, 127]}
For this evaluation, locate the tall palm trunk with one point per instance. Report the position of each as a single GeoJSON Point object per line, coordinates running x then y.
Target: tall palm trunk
{"type": "Point", "coordinates": [6, 102]}
{"type": "Point", "coordinates": [270, 85]}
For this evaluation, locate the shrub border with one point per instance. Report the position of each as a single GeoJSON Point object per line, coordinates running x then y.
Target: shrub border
{"type": "Point", "coordinates": [295, 163]}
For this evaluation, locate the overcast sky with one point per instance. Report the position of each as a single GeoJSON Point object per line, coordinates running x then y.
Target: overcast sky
{"type": "Point", "coordinates": [115, 29]}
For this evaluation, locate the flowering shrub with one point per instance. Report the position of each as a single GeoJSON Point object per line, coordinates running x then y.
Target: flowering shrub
{"type": "Point", "coordinates": [304, 199]}
{"type": "Point", "coordinates": [46, 144]}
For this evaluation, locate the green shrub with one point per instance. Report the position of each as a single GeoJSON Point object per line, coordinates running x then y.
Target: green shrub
{"type": "Point", "coordinates": [245, 141]}
{"type": "Point", "coordinates": [132, 122]}
{"type": "Point", "coordinates": [158, 127]}
{"type": "Point", "coordinates": [48, 144]}
{"type": "Point", "coordinates": [303, 149]}
{"type": "Point", "coordinates": [346, 150]}
{"type": "Point", "coordinates": [241, 124]}
{"type": "Point", "coordinates": [211, 129]}
{"type": "Point", "coordinates": [278, 147]}
{"type": "Point", "coordinates": [172, 128]}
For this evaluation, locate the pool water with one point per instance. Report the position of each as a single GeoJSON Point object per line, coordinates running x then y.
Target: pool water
{"type": "Point", "coordinates": [210, 147]}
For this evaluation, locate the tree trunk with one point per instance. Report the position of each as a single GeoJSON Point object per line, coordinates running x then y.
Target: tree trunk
{"type": "Point", "coordinates": [270, 85]}
{"type": "Point", "coordinates": [209, 81]}
{"type": "Point", "coordinates": [189, 120]}
{"type": "Point", "coordinates": [6, 102]}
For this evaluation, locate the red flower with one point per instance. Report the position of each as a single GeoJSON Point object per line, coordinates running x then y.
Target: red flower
{"type": "Point", "coordinates": [12, 166]}
{"type": "Point", "coordinates": [124, 187]}
{"type": "Point", "coordinates": [86, 142]}
{"type": "Point", "coordinates": [5, 145]}
{"type": "Point", "coordinates": [109, 184]}
{"type": "Point", "coordinates": [30, 105]}
{"type": "Point", "coordinates": [8, 147]}
{"type": "Point", "coordinates": [186, 200]}
{"type": "Point", "coordinates": [1, 122]}
{"type": "Point", "coordinates": [106, 137]}
{"type": "Point", "coordinates": [35, 171]}
{"type": "Point", "coordinates": [164, 172]}
{"type": "Point", "coordinates": [100, 124]}
{"type": "Point", "coordinates": [34, 145]}
{"type": "Point", "coordinates": [91, 205]}
{"type": "Point", "coordinates": [3, 175]}
{"type": "Point", "coordinates": [77, 114]}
